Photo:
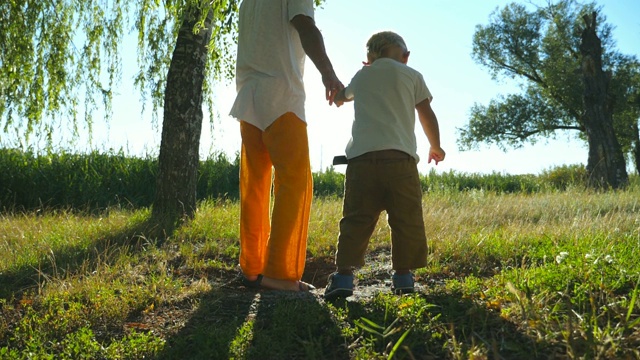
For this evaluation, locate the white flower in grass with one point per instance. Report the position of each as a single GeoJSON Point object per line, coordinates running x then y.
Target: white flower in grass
{"type": "Point", "coordinates": [560, 257]}
{"type": "Point", "coordinates": [608, 259]}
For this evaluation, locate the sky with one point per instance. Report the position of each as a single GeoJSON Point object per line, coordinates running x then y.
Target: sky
{"type": "Point", "coordinates": [439, 35]}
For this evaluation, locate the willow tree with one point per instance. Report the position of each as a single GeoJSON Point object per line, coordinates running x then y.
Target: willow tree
{"type": "Point", "coordinates": [60, 60]}
{"type": "Point", "coordinates": [546, 50]}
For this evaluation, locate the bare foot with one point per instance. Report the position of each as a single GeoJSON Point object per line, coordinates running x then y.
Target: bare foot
{"type": "Point", "coordinates": [277, 284]}
{"type": "Point", "coordinates": [287, 285]}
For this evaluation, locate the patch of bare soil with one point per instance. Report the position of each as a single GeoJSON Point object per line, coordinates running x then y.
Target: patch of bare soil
{"type": "Point", "coordinates": [229, 294]}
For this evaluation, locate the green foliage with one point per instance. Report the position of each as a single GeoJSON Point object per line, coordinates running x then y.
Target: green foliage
{"type": "Point", "coordinates": [328, 183]}
{"type": "Point", "coordinates": [565, 176]}
{"type": "Point", "coordinates": [66, 53]}
{"type": "Point", "coordinates": [539, 47]}
{"type": "Point", "coordinates": [96, 181]}
{"type": "Point", "coordinates": [502, 182]}
{"type": "Point", "coordinates": [65, 180]}
{"type": "Point", "coordinates": [51, 60]}
{"type": "Point", "coordinates": [511, 275]}
{"type": "Point", "coordinates": [57, 56]}
{"type": "Point", "coordinates": [57, 331]}
{"type": "Point", "coordinates": [382, 334]}
{"type": "Point", "coordinates": [219, 177]}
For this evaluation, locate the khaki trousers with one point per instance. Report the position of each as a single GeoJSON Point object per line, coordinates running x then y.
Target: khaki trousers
{"type": "Point", "coordinates": [274, 243]}
{"type": "Point", "coordinates": [376, 181]}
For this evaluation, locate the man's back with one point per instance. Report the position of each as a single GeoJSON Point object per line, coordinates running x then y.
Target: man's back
{"type": "Point", "coordinates": [270, 63]}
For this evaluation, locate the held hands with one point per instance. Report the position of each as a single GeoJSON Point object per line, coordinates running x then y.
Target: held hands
{"type": "Point", "coordinates": [333, 92]}
{"type": "Point", "coordinates": [332, 87]}
{"type": "Point", "coordinates": [336, 95]}
{"type": "Point", "coordinates": [436, 154]}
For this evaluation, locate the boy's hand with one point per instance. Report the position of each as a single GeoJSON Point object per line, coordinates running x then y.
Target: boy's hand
{"type": "Point", "coordinates": [436, 154]}
{"type": "Point", "coordinates": [340, 98]}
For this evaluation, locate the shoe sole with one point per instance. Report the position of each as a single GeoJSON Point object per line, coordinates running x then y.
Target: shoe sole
{"type": "Point", "coordinates": [401, 291]}
{"type": "Point", "coordinates": [338, 293]}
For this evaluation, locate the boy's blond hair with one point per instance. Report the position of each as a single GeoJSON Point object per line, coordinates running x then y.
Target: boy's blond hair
{"type": "Point", "coordinates": [380, 43]}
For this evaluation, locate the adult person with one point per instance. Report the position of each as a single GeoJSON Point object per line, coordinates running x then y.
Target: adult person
{"type": "Point", "coordinates": [274, 37]}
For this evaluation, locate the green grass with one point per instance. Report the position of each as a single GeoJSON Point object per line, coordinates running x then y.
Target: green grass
{"type": "Point", "coordinates": [511, 275]}
{"type": "Point", "coordinates": [96, 182]}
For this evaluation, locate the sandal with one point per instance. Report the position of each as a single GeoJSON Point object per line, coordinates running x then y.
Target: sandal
{"type": "Point", "coordinates": [252, 284]}
{"type": "Point", "coordinates": [257, 284]}
{"type": "Point", "coordinates": [305, 287]}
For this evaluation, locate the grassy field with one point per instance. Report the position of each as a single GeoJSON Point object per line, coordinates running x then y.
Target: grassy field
{"type": "Point", "coordinates": [548, 275]}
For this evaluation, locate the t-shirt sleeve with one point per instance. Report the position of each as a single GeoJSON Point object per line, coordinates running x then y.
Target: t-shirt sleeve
{"type": "Point", "coordinates": [300, 7]}
{"type": "Point", "coordinates": [350, 90]}
{"type": "Point", "coordinates": [422, 91]}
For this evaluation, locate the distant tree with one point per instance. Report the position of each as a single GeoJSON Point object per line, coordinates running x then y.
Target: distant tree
{"type": "Point", "coordinates": [625, 88]}
{"type": "Point", "coordinates": [542, 49]}
{"type": "Point", "coordinates": [606, 165]}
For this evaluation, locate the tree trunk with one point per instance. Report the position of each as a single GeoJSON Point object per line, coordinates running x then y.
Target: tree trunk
{"type": "Point", "coordinates": [606, 165]}
{"type": "Point", "coordinates": [636, 147]}
{"type": "Point", "coordinates": [179, 148]}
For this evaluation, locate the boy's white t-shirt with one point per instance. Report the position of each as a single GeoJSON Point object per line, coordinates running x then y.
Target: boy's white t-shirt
{"type": "Point", "coordinates": [385, 96]}
{"type": "Point", "coordinates": [270, 61]}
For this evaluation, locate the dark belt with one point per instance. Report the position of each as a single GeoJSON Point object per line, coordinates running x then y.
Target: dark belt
{"type": "Point", "coordinates": [373, 155]}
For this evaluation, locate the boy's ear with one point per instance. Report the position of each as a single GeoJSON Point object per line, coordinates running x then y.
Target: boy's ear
{"type": "Point", "coordinates": [405, 56]}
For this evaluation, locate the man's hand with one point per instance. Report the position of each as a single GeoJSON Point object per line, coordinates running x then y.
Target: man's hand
{"type": "Point", "coordinates": [332, 87]}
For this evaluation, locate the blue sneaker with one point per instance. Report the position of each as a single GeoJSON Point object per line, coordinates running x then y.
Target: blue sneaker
{"type": "Point", "coordinates": [339, 286]}
{"type": "Point", "coordinates": [402, 284]}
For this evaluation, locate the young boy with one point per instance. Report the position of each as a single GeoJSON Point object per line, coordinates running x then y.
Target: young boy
{"type": "Point", "coordinates": [382, 171]}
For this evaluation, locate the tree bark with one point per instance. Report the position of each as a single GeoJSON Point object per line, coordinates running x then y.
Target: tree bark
{"type": "Point", "coordinates": [636, 147]}
{"type": "Point", "coordinates": [178, 160]}
{"type": "Point", "coordinates": [606, 165]}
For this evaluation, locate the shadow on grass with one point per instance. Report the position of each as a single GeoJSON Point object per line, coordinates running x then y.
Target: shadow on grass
{"type": "Point", "coordinates": [467, 325]}
{"type": "Point", "coordinates": [441, 325]}
{"type": "Point", "coordinates": [233, 322]}
{"type": "Point", "coordinates": [72, 259]}
{"type": "Point", "coordinates": [240, 323]}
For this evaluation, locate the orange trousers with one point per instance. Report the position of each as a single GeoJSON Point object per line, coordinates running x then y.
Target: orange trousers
{"type": "Point", "coordinates": [273, 242]}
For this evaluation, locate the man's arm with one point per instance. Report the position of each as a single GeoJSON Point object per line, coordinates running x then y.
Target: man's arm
{"type": "Point", "coordinates": [429, 123]}
{"type": "Point", "coordinates": [313, 45]}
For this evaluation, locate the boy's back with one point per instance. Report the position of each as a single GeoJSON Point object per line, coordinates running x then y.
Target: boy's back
{"type": "Point", "coordinates": [385, 94]}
